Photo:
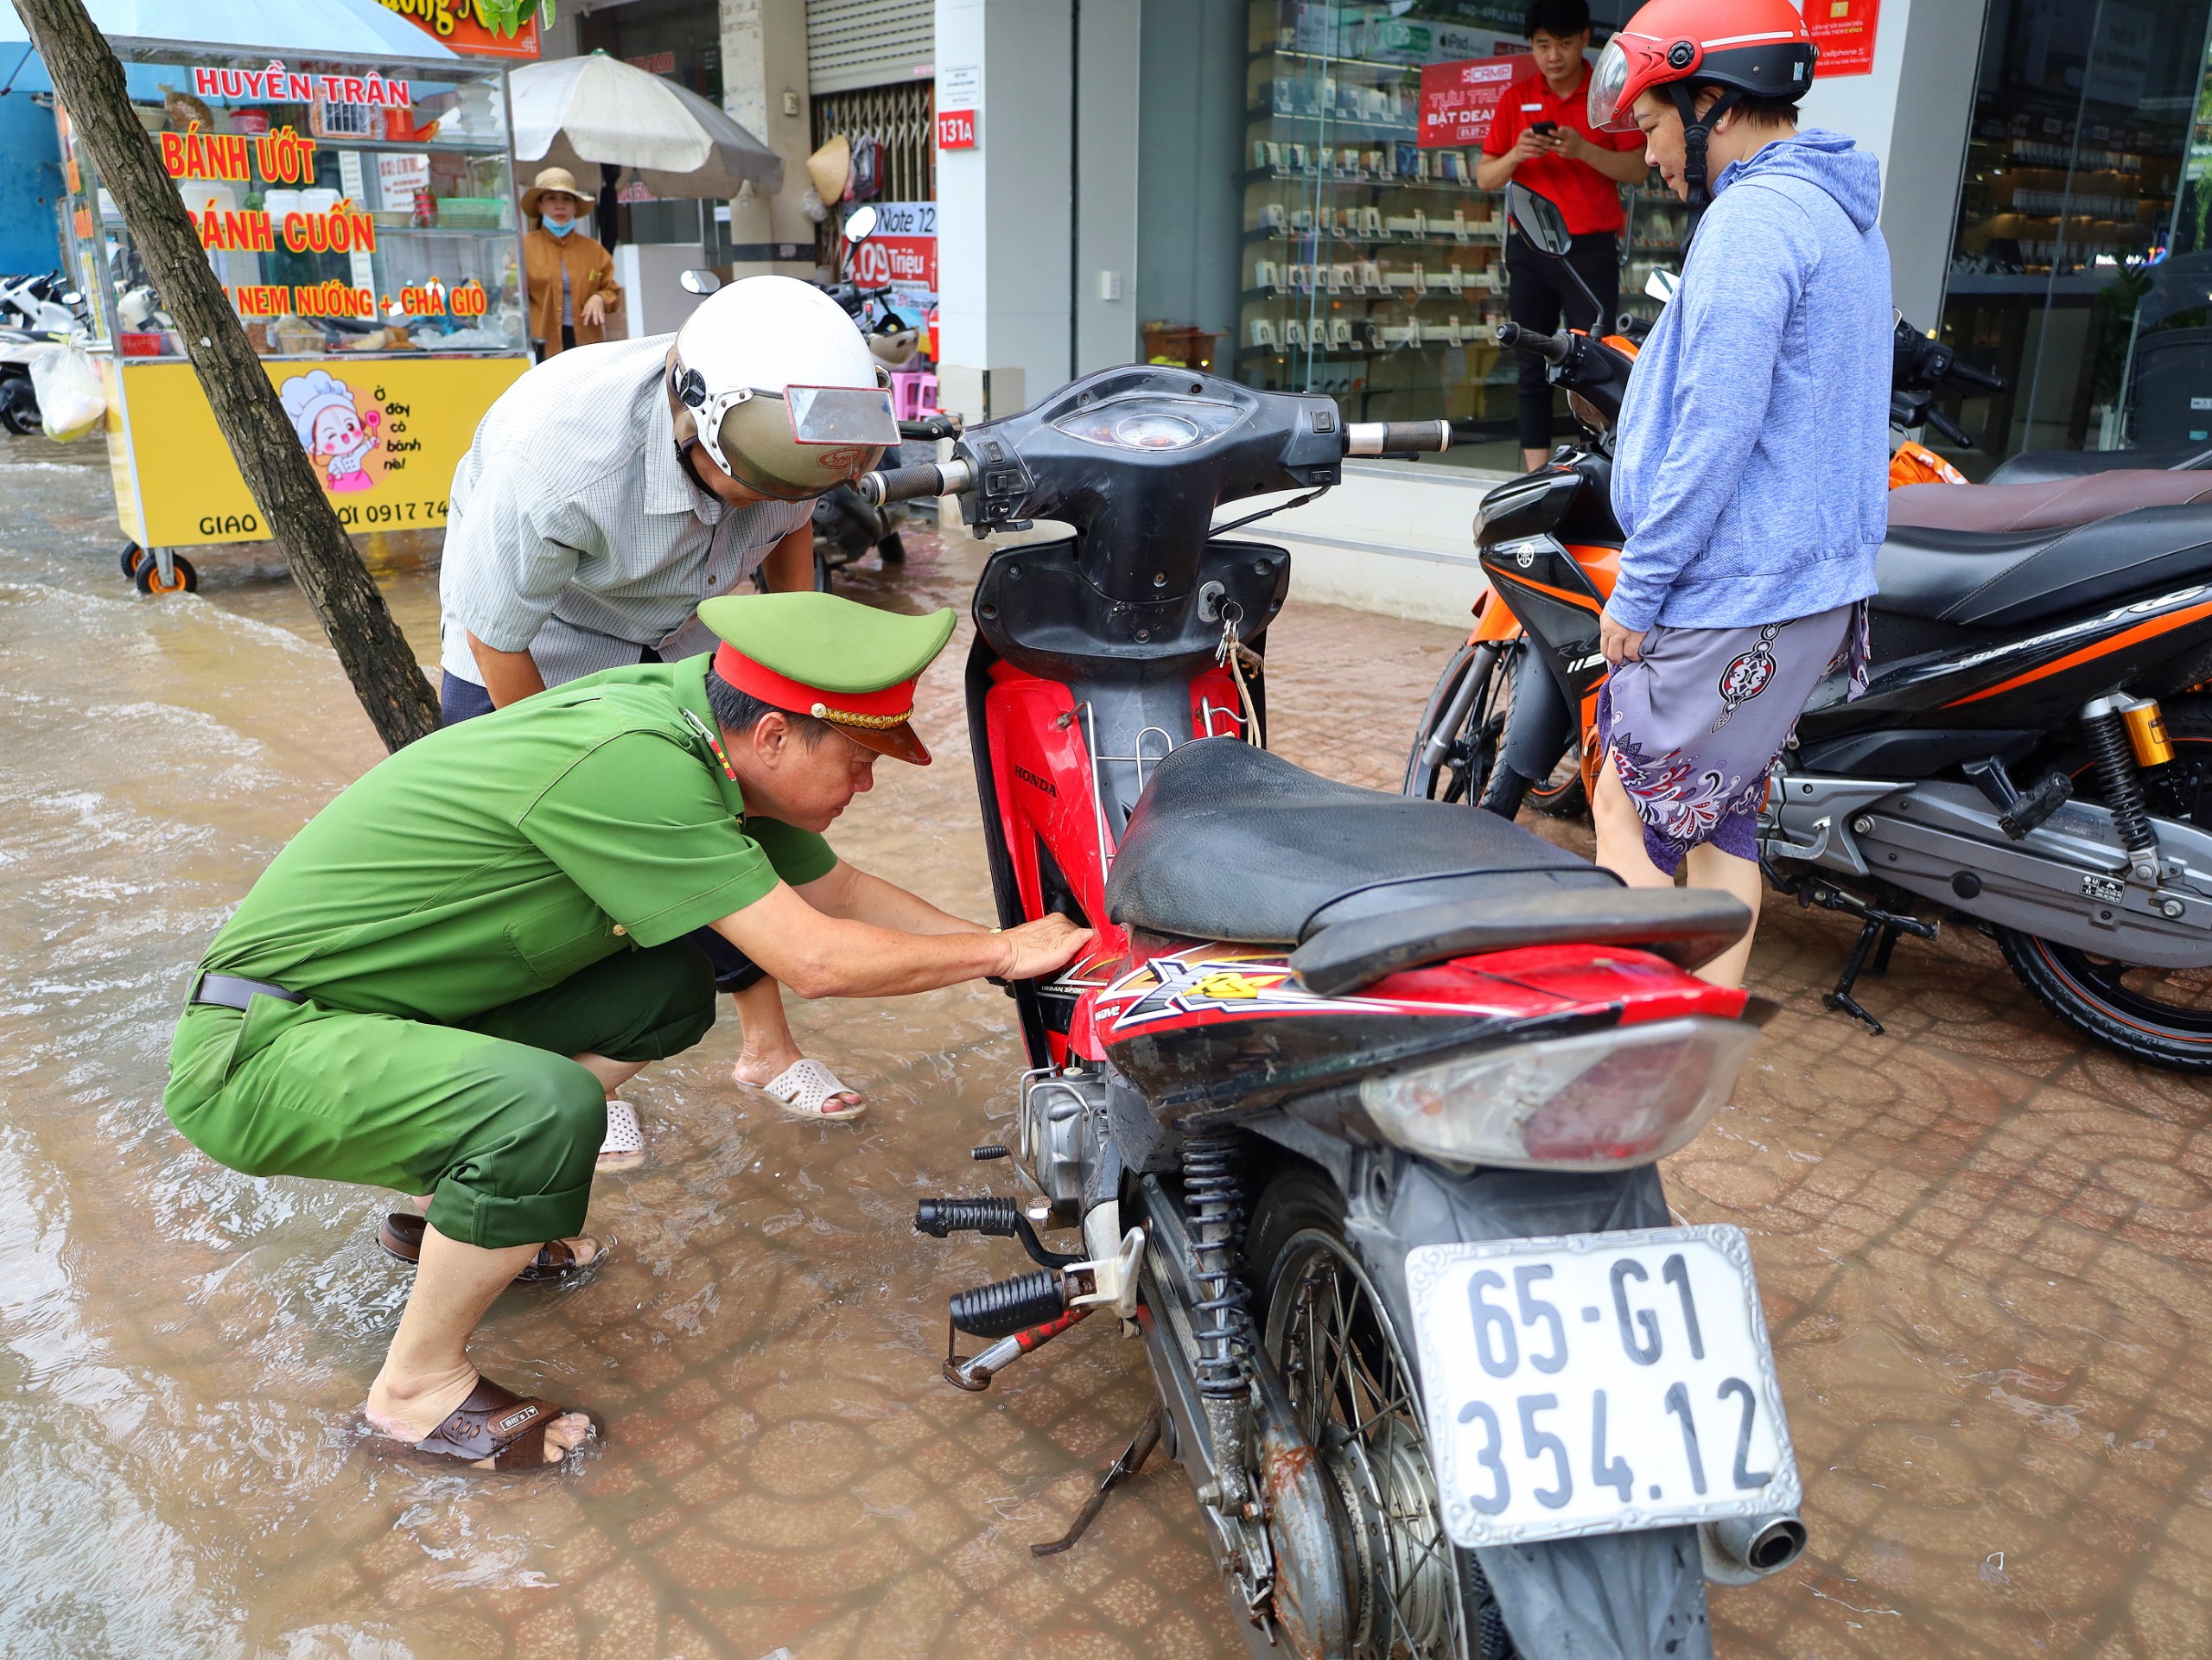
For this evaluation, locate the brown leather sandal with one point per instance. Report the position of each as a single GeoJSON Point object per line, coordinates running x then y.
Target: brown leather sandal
{"type": "Point", "coordinates": [401, 1236]}
{"type": "Point", "coordinates": [498, 1424]}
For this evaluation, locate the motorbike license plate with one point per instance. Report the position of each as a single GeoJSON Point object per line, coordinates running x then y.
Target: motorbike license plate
{"type": "Point", "coordinates": [1598, 1383]}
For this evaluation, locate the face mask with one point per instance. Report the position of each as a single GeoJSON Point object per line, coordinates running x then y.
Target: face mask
{"type": "Point", "coordinates": [561, 229]}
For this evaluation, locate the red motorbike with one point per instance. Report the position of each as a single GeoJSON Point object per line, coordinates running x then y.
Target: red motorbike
{"type": "Point", "coordinates": [1357, 1102]}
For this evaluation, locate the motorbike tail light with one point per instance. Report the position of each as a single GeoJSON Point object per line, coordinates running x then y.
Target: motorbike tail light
{"type": "Point", "coordinates": [1607, 1100]}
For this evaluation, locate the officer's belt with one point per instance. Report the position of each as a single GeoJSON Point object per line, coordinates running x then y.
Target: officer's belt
{"type": "Point", "coordinates": [229, 991]}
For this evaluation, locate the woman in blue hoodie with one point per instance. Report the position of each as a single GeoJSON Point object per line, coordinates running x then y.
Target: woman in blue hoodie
{"type": "Point", "coordinates": [1749, 476]}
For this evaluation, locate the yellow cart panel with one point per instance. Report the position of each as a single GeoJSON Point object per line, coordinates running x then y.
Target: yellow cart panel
{"type": "Point", "coordinates": [384, 434]}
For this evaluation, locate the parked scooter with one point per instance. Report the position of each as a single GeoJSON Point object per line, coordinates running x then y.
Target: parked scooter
{"type": "Point", "coordinates": [1356, 1101]}
{"type": "Point", "coordinates": [1496, 731]}
{"type": "Point", "coordinates": [2031, 630]}
{"type": "Point", "coordinates": [37, 313]}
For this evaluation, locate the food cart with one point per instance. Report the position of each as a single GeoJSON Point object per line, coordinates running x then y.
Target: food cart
{"type": "Point", "coordinates": [350, 180]}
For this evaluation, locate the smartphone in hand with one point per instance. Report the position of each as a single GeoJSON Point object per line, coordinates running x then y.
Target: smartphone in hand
{"type": "Point", "coordinates": [1548, 129]}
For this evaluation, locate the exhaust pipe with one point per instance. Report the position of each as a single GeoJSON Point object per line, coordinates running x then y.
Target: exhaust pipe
{"type": "Point", "coordinates": [1745, 1548]}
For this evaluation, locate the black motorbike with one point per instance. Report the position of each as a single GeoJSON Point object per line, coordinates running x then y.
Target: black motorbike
{"type": "Point", "coordinates": [2032, 755]}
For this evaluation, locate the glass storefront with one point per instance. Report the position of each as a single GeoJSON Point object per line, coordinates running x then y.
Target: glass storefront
{"type": "Point", "coordinates": [2083, 245]}
{"type": "Point", "coordinates": [1372, 267]}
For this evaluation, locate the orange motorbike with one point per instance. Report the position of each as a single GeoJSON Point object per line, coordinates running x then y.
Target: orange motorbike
{"type": "Point", "coordinates": [1495, 732]}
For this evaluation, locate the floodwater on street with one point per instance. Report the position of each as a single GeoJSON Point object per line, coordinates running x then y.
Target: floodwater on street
{"type": "Point", "coordinates": [1982, 1247]}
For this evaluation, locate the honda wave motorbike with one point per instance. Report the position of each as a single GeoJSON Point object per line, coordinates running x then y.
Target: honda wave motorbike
{"type": "Point", "coordinates": [1354, 1103]}
{"type": "Point", "coordinates": [2051, 632]}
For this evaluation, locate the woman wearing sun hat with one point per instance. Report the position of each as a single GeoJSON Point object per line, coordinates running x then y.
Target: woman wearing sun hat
{"type": "Point", "coordinates": [571, 277]}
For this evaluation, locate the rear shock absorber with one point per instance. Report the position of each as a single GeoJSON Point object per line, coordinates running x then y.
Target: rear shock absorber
{"type": "Point", "coordinates": [1214, 1191]}
{"type": "Point", "coordinates": [2107, 732]}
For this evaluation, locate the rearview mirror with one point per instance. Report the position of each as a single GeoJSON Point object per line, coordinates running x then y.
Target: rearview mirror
{"type": "Point", "coordinates": [699, 281]}
{"type": "Point", "coordinates": [860, 225]}
{"type": "Point", "coordinates": [1538, 218]}
{"type": "Point", "coordinates": [1661, 284]}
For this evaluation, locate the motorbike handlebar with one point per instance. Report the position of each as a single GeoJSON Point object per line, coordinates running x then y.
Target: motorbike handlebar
{"type": "Point", "coordinates": [914, 483]}
{"type": "Point", "coordinates": [1959, 375]}
{"type": "Point", "coordinates": [1950, 429]}
{"type": "Point", "coordinates": [1552, 349]}
{"type": "Point", "coordinates": [1397, 437]}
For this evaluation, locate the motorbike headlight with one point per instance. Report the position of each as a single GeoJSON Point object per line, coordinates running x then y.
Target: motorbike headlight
{"type": "Point", "coordinates": [1607, 1100]}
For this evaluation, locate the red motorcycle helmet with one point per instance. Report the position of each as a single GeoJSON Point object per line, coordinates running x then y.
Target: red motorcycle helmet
{"type": "Point", "coordinates": [1748, 49]}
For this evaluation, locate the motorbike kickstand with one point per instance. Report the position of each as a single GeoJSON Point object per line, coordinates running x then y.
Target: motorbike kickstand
{"type": "Point", "coordinates": [1881, 937]}
{"type": "Point", "coordinates": [1131, 1461]}
{"type": "Point", "coordinates": [1879, 931]}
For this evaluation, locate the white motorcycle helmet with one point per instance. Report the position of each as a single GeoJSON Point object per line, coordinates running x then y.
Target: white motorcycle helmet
{"type": "Point", "coordinates": [787, 397]}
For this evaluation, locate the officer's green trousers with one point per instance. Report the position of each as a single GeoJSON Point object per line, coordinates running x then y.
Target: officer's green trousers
{"type": "Point", "coordinates": [493, 1119]}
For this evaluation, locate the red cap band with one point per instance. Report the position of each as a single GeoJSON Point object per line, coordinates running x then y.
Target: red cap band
{"type": "Point", "coordinates": [757, 680]}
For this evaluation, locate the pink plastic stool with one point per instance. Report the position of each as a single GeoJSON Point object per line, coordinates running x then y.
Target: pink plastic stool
{"type": "Point", "coordinates": [913, 394]}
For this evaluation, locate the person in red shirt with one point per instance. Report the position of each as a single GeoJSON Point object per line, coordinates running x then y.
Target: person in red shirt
{"type": "Point", "coordinates": [1541, 135]}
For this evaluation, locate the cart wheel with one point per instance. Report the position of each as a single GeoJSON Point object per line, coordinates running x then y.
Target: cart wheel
{"type": "Point", "coordinates": [184, 578]}
{"type": "Point", "coordinates": [131, 557]}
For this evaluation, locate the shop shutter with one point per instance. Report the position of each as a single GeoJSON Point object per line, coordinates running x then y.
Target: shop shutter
{"type": "Point", "coordinates": [853, 43]}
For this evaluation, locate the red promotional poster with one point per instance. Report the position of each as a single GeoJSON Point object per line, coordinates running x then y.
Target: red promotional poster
{"type": "Point", "coordinates": [1844, 30]}
{"type": "Point", "coordinates": [1457, 99]}
{"type": "Point", "coordinates": [902, 253]}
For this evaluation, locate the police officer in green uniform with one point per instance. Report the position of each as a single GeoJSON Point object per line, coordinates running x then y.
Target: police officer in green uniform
{"type": "Point", "coordinates": [436, 987]}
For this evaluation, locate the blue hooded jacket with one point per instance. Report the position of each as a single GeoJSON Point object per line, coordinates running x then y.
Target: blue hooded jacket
{"type": "Point", "coordinates": [1750, 473]}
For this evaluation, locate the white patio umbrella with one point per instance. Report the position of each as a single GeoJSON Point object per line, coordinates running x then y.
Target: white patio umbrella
{"type": "Point", "coordinates": [570, 112]}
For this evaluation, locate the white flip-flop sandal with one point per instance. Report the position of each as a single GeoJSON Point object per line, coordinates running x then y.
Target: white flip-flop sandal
{"type": "Point", "coordinates": [625, 1146]}
{"type": "Point", "coordinates": [805, 1089]}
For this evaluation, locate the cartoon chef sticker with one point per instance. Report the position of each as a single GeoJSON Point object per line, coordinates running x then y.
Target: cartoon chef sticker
{"type": "Point", "coordinates": [332, 428]}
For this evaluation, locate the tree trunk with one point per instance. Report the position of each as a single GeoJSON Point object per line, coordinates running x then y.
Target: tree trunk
{"type": "Point", "coordinates": [375, 654]}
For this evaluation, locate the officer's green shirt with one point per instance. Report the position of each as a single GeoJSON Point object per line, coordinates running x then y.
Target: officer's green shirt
{"type": "Point", "coordinates": [495, 858]}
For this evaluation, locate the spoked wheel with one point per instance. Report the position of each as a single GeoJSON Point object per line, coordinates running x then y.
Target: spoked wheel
{"type": "Point", "coordinates": [2163, 1015]}
{"type": "Point", "coordinates": [1470, 769]}
{"type": "Point", "coordinates": [1559, 793]}
{"type": "Point", "coordinates": [1464, 717]}
{"type": "Point", "coordinates": [1343, 1364]}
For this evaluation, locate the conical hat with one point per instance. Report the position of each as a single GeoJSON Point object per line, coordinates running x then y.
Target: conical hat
{"type": "Point", "coordinates": [831, 168]}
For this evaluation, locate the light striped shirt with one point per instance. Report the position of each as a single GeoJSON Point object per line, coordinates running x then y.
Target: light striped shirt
{"type": "Point", "coordinates": [573, 529]}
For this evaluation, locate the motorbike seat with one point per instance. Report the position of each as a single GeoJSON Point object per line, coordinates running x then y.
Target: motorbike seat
{"type": "Point", "coordinates": [2045, 504]}
{"type": "Point", "coordinates": [1231, 842]}
{"type": "Point", "coordinates": [1992, 578]}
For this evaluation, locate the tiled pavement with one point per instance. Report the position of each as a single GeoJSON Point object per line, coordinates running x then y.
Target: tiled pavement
{"type": "Point", "coordinates": [1981, 1247]}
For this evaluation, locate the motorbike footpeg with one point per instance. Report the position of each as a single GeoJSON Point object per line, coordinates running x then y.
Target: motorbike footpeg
{"type": "Point", "coordinates": [940, 1217]}
{"type": "Point", "coordinates": [2030, 809]}
{"type": "Point", "coordinates": [1000, 1217]}
{"type": "Point", "coordinates": [1006, 1306]}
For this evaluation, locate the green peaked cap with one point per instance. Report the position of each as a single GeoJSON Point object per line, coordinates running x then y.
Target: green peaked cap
{"type": "Point", "coordinates": [827, 641]}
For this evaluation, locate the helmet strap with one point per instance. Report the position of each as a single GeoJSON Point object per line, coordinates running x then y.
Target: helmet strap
{"type": "Point", "coordinates": [1696, 132]}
